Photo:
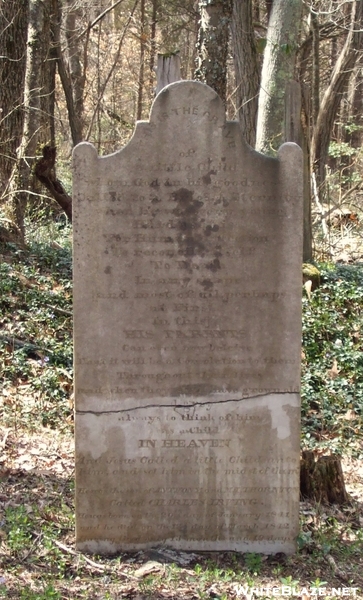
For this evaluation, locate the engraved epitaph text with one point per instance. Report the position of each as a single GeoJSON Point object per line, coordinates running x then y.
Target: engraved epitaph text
{"type": "Point", "coordinates": [187, 335]}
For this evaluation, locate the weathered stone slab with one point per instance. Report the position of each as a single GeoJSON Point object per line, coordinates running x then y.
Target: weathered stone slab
{"type": "Point", "coordinates": [187, 262]}
{"type": "Point", "coordinates": [203, 477]}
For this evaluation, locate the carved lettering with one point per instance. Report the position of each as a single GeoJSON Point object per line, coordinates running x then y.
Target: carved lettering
{"type": "Point", "coordinates": [187, 335]}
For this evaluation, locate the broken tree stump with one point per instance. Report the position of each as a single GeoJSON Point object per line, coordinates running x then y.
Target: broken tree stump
{"type": "Point", "coordinates": [168, 70]}
{"type": "Point", "coordinates": [322, 480]}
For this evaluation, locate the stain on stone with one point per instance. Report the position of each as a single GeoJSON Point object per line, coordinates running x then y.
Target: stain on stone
{"type": "Point", "coordinates": [214, 265]}
{"type": "Point", "coordinates": [189, 223]}
{"type": "Point", "coordinates": [206, 283]}
{"type": "Point", "coordinates": [107, 270]}
{"type": "Point", "coordinates": [210, 229]}
{"type": "Point", "coordinates": [184, 225]}
{"type": "Point", "coordinates": [207, 178]}
{"type": "Point", "coordinates": [186, 203]}
{"type": "Point", "coordinates": [188, 251]}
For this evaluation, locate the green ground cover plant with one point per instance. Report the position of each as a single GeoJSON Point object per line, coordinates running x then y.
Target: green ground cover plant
{"type": "Point", "coordinates": [36, 334]}
{"type": "Point", "coordinates": [332, 362]}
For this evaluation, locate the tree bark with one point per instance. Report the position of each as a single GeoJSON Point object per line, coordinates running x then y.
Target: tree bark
{"type": "Point", "coordinates": [13, 38]}
{"type": "Point", "coordinates": [77, 54]}
{"type": "Point", "coordinates": [47, 75]}
{"type": "Point", "coordinates": [315, 66]}
{"type": "Point", "coordinates": [278, 68]}
{"type": "Point", "coordinates": [74, 116]}
{"type": "Point", "coordinates": [215, 16]}
{"type": "Point", "coordinates": [356, 115]}
{"type": "Point", "coordinates": [140, 86]}
{"type": "Point", "coordinates": [297, 130]}
{"type": "Point", "coordinates": [269, 4]}
{"type": "Point", "coordinates": [22, 179]}
{"type": "Point", "coordinates": [154, 13]}
{"type": "Point", "coordinates": [246, 68]}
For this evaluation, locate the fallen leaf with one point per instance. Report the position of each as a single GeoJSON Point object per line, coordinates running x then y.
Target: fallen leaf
{"type": "Point", "coordinates": [150, 567]}
{"type": "Point", "coordinates": [334, 371]}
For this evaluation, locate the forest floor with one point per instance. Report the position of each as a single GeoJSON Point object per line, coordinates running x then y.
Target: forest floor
{"type": "Point", "coordinates": [38, 560]}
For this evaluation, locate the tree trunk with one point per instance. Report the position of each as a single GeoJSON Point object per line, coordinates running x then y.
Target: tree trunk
{"type": "Point", "coordinates": [48, 73]}
{"type": "Point", "coordinates": [77, 53]}
{"type": "Point", "coordinates": [333, 94]}
{"type": "Point", "coordinates": [246, 68]}
{"type": "Point", "coordinates": [354, 136]}
{"type": "Point", "coordinates": [21, 184]}
{"type": "Point", "coordinates": [297, 130]}
{"type": "Point", "coordinates": [269, 4]}
{"type": "Point", "coordinates": [154, 14]}
{"type": "Point", "coordinates": [278, 69]}
{"type": "Point", "coordinates": [215, 16]}
{"type": "Point", "coordinates": [140, 86]}
{"type": "Point", "coordinates": [74, 114]}
{"type": "Point", "coordinates": [316, 66]}
{"type": "Point", "coordinates": [13, 27]}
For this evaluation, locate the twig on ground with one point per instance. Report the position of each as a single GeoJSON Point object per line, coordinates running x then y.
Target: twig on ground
{"type": "Point", "coordinates": [88, 560]}
{"type": "Point", "coordinates": [61, 311]}
{"type": "Point", "coordinates": [22, 344]}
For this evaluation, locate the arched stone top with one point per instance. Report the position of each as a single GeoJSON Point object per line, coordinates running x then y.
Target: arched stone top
{"type": "Point", "coordinates": [188, 100]}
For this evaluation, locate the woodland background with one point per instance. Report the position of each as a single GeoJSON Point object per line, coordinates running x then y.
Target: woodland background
{"type": "Point", "coordinates": [73, 70]}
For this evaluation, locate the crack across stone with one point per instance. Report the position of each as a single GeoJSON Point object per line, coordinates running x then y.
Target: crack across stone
{"type": "Point", "coordinates": [193, 404]}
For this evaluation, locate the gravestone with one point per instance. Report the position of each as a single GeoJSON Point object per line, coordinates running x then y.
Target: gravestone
{"type": "Point", "coordinates": [187, 287]}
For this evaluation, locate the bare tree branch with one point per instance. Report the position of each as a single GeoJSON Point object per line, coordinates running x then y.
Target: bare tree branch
{"type": "Point", "coordinates": [103, 14]}
{"type": "Point", "coordinates": [117, 55]}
